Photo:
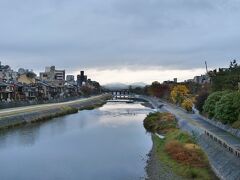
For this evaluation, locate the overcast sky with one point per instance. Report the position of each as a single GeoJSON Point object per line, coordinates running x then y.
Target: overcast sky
{"type": "Point", "coordinates": [120, 40]}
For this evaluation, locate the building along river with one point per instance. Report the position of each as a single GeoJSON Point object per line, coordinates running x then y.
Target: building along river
{"type": "Point", "coordinates": [106, 143]}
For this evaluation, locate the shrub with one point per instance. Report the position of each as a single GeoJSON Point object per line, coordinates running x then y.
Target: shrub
{"type": "Point", "coordinates": [236, 124]}
{"type": "Point", "coordinates": [149, 122]}
{"type": "Point", "coordinates": [156, 122]}
{"type": "Point", "coordinates": [189, 156]}
{"type": "Point", "coordinates": [228, 108]}
{"type": "Point", "coordinates": [187, 105]}
{"type": "Point", "coordinates": [185, 170]}
{"type": "Point", "coordinates": [210, 103]}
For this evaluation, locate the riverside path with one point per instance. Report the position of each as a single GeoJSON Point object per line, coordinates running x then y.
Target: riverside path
{"type": "Point", "coordinates": [200, 125]}
{"type": "Point", "coordinates": [33, 108]}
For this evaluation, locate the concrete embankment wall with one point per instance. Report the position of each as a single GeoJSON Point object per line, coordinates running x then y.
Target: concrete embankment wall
{"type": "Point", "coordinates": [50, 112]}
{"type": "Point", "coordinates": [225, 165]}
{"type": "Point", "coordinates": [225, 127]}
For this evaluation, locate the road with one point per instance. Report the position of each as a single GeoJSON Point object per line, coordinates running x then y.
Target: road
{"type": "Point", "coordinates": [33, 108]}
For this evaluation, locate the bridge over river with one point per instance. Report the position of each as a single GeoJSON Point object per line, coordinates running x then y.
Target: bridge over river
{"type": "Point", "coordinates": [126, 96]}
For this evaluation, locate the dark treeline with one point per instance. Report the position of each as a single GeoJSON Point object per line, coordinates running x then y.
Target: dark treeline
{"type": "Point", "coordinates": [227, 78]}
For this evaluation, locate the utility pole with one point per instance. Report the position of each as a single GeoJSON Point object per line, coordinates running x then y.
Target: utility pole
{"type": "Point", "coordinates": [206, 66]}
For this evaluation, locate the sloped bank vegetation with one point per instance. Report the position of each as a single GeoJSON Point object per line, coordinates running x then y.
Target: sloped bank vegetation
{"type": "Point", "coordinates": [178, 150]}
{"type": "Point", "coordinates": [65, 110]}
{"type": "Point", "coordinates": [34, 117]}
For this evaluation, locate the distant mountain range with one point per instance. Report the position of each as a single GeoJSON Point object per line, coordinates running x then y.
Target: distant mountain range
{"type": "Point", "coordinates": [113, 86]}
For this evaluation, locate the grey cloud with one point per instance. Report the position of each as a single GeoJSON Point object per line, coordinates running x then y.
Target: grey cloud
{"type": "Point", "coordinates": [91, 33]}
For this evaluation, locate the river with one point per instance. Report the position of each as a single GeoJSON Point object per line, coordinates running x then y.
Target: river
{"type": "Point", "coordinates": [108, 143]}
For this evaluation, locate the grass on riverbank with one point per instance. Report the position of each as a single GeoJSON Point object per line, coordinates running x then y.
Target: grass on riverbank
{"type": "Point", "coordinates": [178, 150]}
{"type": "Point", "coordinates": [65, 110]}
{"type": "Point", "coordinates": [43, 116]}
{"type": "Point", "coordinates": [91, 107]}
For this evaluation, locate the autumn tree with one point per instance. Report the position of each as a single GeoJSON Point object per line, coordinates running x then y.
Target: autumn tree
{"type": "Point", "coordinates": [187, 104]}
{"type": "Point", "coordinates": [86, 90]}
{"type": "Point", "coordinates": [179, 93]}
{"type": "Point", "coordinates": [159, 90]}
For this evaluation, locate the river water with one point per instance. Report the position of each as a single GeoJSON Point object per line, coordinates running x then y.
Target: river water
{"type": "Point", "coordinates": [106, 143]}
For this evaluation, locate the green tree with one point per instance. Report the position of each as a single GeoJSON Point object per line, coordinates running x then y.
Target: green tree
{"type": "Point", "coordinates": [210, 103]}
{"type": "Point", "coordinates": [228, 108]}
{"type": "Point", "coordinates": [226, 79]}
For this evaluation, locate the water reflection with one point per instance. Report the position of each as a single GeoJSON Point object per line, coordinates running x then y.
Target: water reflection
{"type": "Point", "coordinates": [23, 136]}
{"type": "Point", "coordinates": [125, 112]}
{"type": "Point", "coordinates": [106, 143]}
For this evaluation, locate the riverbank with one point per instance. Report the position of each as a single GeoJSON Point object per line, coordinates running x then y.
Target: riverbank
{"type": "Point", "coordinates": [18, 116]}
{"type": "Point", "coordinates": [177, 156]}
{"type": "Point", "coordinates": [156, 169]}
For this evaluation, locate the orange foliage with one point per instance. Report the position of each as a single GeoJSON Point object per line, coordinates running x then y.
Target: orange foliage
{"type": "Point", "coordinates": [185, 155]}
{"type": "Point", "coordinates": [167, 117]}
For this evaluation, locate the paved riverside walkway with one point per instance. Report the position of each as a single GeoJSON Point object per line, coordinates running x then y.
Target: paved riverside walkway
{"type": "Point", "coordinates": [199, 122]}
{"type": "Point", "coordinates": [34, 108]}
{"type": "Point", "coordinates": [195, 120]}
